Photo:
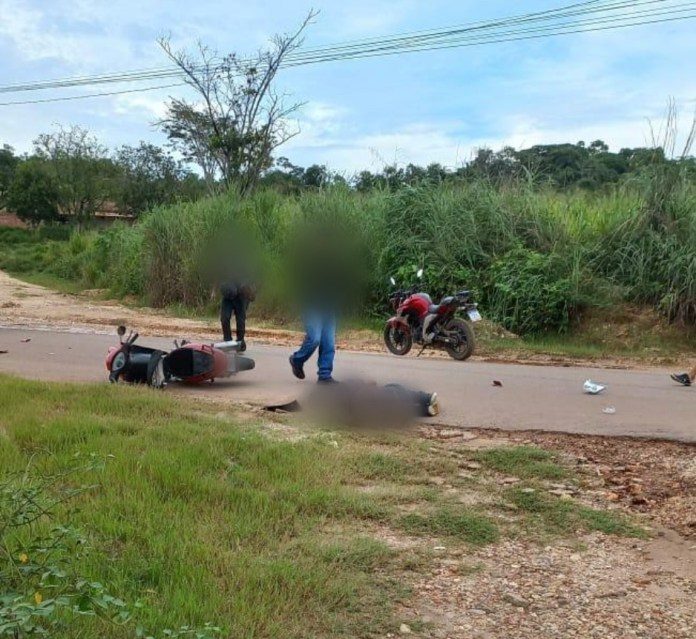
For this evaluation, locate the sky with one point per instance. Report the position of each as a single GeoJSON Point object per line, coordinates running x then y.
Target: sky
{"type": "Point", "coordinates": [422, 107]}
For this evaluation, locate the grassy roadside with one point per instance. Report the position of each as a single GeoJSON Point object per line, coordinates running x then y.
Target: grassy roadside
{"type": "Point", "coordinates": [206, 517]}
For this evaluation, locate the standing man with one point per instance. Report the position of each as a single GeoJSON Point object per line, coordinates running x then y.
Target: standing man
{"type": "Point", "coordinates": [321, 265]}
{"type": "Point", "coordinates": [685, 379]}
{"type": "Point", "coordinates": [235, 299]}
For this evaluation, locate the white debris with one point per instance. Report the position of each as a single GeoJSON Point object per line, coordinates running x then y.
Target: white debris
{"type": "Point", "coordinates": [593, 388]}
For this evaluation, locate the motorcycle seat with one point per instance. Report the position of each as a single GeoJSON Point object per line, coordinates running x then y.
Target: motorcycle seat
{"type": "Point", "coordinates": [446, 301]}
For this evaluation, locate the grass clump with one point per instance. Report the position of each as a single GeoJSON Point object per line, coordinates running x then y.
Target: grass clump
{"type": "Point", "coordinates": [381, 466]}
{"type": "Point", "coordinates": [465, 525]}
{"type": "Point", "coordinates": [525, 462]}
{"type": "Point", "coordinates": [551, 515]}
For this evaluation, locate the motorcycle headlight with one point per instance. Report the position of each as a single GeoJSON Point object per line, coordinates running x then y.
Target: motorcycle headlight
{"type": "Point", "coordinates": [119, 361]}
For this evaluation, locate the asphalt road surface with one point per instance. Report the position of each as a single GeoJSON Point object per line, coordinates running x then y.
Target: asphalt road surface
{"type": "Point", "coordinates": [647, 403]}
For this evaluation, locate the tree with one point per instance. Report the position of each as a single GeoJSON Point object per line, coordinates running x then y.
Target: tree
{"type": "Point", "coordinates": [148, 176]}
{"type": "Point", "coordinates": [316, 176]}
{"type": "Point", "coordinates": [81, 170]}
{"type": "Point", "coordinates": [8, 166]}
{"type": "Point", "coordinates": [240, 118]}
{"type": "Point", "coordinates": [33, 194]}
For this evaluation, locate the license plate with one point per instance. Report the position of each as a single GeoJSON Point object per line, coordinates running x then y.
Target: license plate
{"type": "Point", "coordinates": [474, 315]}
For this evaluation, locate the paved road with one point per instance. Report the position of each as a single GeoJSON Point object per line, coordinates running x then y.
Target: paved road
{"type": "Point", "coordinates": [647, 403]}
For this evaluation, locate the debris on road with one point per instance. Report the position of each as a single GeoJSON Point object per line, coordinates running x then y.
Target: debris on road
{"type": "Point", "coordinates": [593, 388]}
{"type": "Point", "coordinates": [289, 407]}
{"type": "Point", "coordinates": [25, 340]}
{"type": "Point", "coordinates": [497, 383]}
{"type": "Point", "coordinates": [609, 410]}
{"type": "Point", "coordinates": [4, 352]}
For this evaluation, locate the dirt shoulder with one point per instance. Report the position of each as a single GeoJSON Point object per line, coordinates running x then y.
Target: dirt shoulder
{"type": "Point", "coordinates": [26, 304]}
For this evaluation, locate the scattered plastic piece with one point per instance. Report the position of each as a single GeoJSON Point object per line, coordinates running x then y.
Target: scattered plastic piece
{"type": "Point", "coordinates": [290, 407]}
{"type": "Point", "coordinates": [609, 410]}
{"type": "Point", "coordinates": [593, 388]}
{"type": "Point", "coordinates": [4, 352]}
{"type": "Point", "coordinates": [497, 383]}
{"type": "Point", "coordinates": [26, 339]}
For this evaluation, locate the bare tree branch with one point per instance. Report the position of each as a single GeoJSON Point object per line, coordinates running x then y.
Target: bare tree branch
{"type": "Point", "coordinates": [239, 120]}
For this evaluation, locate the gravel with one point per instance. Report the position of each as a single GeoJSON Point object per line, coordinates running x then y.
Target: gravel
{"type": "Point", "coordinates": [596, 586]}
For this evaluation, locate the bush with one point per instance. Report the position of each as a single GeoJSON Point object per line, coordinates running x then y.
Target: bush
{"type": "Point", "coordinates": [33, 193]}
{"type": "Point", "coordinates": [531, 292]}
{"type": "Point", "coordinates": [534, 258]}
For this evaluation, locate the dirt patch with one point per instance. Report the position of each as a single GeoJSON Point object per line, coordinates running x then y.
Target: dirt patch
{"type": "Point", "coordinates": [656, 478]}
{"type": "Point", "coordinates": [594, 586]}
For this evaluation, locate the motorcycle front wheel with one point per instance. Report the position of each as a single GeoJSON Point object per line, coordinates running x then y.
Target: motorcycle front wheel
{"type": "Point", "coordinates": [460, 330]}
{"type": "Point", "coordinates": [397, 339]}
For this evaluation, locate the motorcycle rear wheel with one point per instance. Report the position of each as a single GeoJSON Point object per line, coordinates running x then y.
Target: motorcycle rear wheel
{"type": "Point", "coordinates": [466, 343]}
{"type": "Point", "coordinates": [397, 340]}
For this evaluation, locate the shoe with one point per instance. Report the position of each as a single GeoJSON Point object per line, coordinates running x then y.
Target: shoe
{"type": "Point", "coordinates": [433, 406]}
{"type": "Point", "coordinates": [682, 378]}
{"type": "Point", "coordinates": [242, 346]}
{"type": "Point", "coordinates": [297, 369]}
{"type": "Point", "coordinates": [327, 380]}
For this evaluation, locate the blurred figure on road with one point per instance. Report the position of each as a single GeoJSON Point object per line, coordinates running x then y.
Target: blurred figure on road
{"type": "Point", "coordinates": [236, 293]}
{"type": "Point", "coordinates": [326, 269]}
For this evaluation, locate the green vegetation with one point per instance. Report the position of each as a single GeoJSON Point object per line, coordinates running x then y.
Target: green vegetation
{"type": "Point", "coordinates": [525, 462]}
{"type": "Point", "coordinates": [159, 514]}
{"type": "Point", "coordinates": [471, 527]}
{"type": "Point", "coordinates": [196, 518]}
{"type": "Point", "coordinates": [538, 260]}
{"type": "Point", "coordinates": [550, 515]}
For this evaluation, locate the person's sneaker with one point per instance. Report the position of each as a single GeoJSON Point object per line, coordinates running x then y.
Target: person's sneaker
{"type": "Point", "coordinates": [682, 378]}
{"type": "Point", "coordinates": [242, 346]}
{"type": "Point", "coordinates": [434, 405]}
{"type": "Point", "coordinates": [297, 369]}
{"type": "Point", "coordinates": [327, 380]}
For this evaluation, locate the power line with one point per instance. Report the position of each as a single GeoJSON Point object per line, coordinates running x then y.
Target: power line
{"type": "Point", "coordinates": [577, 9]}
{"type": "Point", "coordinates": [475, 34]}
{"type": "Point", "coordinates": [93, 95]}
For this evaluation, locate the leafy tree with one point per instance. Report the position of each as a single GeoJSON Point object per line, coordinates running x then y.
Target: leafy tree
{"type": "Point", "coordinates": [148, 176]}
{"type": "Point", "coordinates": [190, 132]}
{"type": "Point", "coordinates": [365, 181]}
{"type": "Point", "coordinates": [8, 166]}
{"type": "Point", "coordinates": [239, 118]}
{"type": "Point", "coordinates": [316, 176]}
{"type": "Point", "coordinates": [34, 194]}
{"type": "Point", "coordinates": [81, 169]}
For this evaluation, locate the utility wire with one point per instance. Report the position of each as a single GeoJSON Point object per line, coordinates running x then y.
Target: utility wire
{"type": "Point", "coordinates": [92, 95]}
{"type": "Point", "coordinates": [422, 41]}
{"type": "Point", "coordinates": [318, 54]}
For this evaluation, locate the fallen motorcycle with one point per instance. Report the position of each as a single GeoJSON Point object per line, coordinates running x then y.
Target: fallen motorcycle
{"type": "Point", "coordinates": [188, 362]}
{"type": "Point", "coordinates": [418, 320]}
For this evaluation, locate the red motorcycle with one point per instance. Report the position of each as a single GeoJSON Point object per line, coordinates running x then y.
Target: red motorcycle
{"type": "Point", "coordinates": [418, 320]}
{"type": "Point", "coordinates": [189, 362]}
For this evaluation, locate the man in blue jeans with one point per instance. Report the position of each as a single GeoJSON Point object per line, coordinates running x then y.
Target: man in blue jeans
{"type": "Point", "coordinates": [320, 332]}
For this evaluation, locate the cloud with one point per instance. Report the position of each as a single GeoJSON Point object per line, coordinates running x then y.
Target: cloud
{"type": "Point", "coordinates": [141, 105]}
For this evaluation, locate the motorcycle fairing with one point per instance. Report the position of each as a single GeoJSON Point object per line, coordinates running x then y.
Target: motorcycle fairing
{"type": "Point", "coordinates": [400, 322]}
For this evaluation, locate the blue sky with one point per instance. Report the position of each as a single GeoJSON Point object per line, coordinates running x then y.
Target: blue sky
{"type": "Point", "coordinates": [424, 107]}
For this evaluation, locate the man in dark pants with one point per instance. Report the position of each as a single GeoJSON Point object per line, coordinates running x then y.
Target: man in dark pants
{"type": "Point", "coordinates": [235, 299]}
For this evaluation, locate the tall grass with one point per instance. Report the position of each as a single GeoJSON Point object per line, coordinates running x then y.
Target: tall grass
{"type": "Point", "coordinates": [535, 259]}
